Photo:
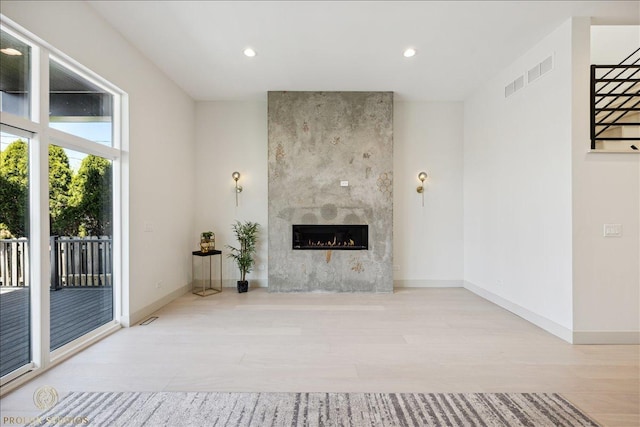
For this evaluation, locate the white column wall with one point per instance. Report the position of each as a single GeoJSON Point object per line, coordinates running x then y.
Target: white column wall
{"type": "Point", "coordinates": [428, 241]}
{"type": "Point", "coordinates": [517, 189]}
{"type": "Point", "coordinates": [232, 136]}
{"type": "Point", "coordinates": [606, 190]}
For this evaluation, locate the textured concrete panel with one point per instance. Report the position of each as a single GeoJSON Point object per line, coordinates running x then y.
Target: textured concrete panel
{"type": "Point", "coordinates": [317, 140]}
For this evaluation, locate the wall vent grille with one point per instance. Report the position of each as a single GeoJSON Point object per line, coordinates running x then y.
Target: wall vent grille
{"type": "Point", "coordinates": [532, 74]}
{"type": "Point", "coordinates": [546, 66]}
{"type": "Point", "coordinates": [514, 86]}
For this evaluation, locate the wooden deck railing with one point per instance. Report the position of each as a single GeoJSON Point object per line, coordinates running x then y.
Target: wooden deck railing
{"type": "Point", "coordinates": [76, 262]}
{"type": "Point", "coordinates": [14, 262]}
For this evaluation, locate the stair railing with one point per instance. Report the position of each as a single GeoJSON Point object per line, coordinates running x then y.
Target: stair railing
{"type": "Point", "coordinates": [629, 97]}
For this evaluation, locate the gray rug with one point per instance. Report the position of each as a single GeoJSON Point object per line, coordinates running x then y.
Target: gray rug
{"type": "Point", "coordinates": [176, 409]}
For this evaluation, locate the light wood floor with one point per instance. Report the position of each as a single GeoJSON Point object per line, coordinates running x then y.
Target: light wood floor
{"type": "Point", "coordinates": [414, 340]}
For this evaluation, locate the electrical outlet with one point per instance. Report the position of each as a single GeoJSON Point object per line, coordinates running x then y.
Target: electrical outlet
{"type": "Point", "coordinates": [159, 285]}
{"type": "Point", "coordinates": [613, 230]}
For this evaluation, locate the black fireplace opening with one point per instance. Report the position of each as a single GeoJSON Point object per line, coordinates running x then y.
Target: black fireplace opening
{"type": "Point", "coordinates": [335, 237]}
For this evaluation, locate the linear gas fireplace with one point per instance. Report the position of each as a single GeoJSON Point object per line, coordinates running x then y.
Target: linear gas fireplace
{"type": "Point", "coordinates": [336, 237]}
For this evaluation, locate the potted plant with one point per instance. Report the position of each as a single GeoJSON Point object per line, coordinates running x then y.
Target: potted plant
{"type": "Point", "coordinates": [247, 235]}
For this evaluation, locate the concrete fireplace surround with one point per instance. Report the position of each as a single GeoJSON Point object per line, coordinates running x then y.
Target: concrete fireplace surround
{"type": "Point", "coordinates": [317, 141]}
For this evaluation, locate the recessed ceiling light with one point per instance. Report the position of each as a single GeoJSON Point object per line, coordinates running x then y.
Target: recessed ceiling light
{"type": "Point", "coordinates": [408, 53]}
{"type": "Point", "coordinates": [11, 51]}
{"type": "Point", "coordinates": [249, 52]}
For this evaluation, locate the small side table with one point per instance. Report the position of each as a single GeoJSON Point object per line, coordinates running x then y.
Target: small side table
{"type": "Point", "coordinates": [202, 284]}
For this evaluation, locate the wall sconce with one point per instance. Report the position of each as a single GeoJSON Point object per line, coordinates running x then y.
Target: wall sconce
{"type": "Point", "coordinates": [421, 176]}
{"type": "Point", "coordinates": [236, 177]}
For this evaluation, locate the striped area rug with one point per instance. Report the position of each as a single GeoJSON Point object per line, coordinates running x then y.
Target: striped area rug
{"type": "Point", "coordinates": [313, 409]}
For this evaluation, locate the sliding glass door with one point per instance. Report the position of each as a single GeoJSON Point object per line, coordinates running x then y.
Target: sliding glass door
{"type": "Point", "coordinates": [80, 206]}
{"type": "Point", "coordinates": [15, 287]}
{"type": "Point", "coordinates": [80, 243]}
{"type": "Point", "coordinates": [59, 205]}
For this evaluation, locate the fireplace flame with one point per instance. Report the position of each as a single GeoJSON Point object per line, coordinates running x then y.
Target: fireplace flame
{"type": "Point", "coordinates": [331, 243]}
{"type": "Point", "coordinates": [323, 237]}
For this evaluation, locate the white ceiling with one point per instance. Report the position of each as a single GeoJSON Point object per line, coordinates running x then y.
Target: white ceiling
{"type": "Point", "coordinates": [343, 45]}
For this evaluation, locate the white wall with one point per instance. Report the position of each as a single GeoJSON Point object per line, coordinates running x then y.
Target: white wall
{"type": "Point", "coordinates": [232, 136]}
{"type": "Point", "coordinates": [161, 153]}
{"type": "Point", "coordinates": [517, 189]}
{"type": "Point", "coordinates": [610, 44]}
{"type": "Point", "coordinates": [606, 189]}
{"type": "Point", "coordinates": [428, 241]}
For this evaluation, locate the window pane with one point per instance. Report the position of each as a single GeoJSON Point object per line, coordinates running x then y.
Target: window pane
{"type": "Point", "coordinates": [81, 242]}
{"type": "Point", "coordinates": [15, 333]}
{"type": "Point", "coordinates": [78, 106]}
{"type": "Point", "coordinates": [15, 79]}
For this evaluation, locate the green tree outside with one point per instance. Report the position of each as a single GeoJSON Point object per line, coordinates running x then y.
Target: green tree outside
{"type": "Point", "coordinates": [79, 203]}
{"type": "Point", "coordinates": [59, 182]}
{"type": "Point", "coordinates": [91, 197]}
{"type": "Point", "coordinates": [14, 191]}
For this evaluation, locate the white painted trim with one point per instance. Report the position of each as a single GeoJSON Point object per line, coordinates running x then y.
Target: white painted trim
{"type": "Point", "coordinates": [122, 141]}
{"type": "Point", "coordinates": [422, 283]}
{"type": "Point", "coordinates": [20, 123]}
{"type": "Point", "coordinates": [145, 312]}
{"type": "Point", "coordinates": [96, 335]}
{"type": "Point", "coordinates": [253, 283]}
{"type": "Point", "coordinates": [84, 341]}
{"type": "Point", "coordinates": [63, 354]}
{"type": "Point", "coordinates": [613, 151]}
{"type": "Point", "coordinates": [67, 140]}
{"type": "Point", "coordinates": [11, 376]}
{"type": "Point", "coordinates": [540, 321]}
{"type": "Point", "coordinates": [606, 337]}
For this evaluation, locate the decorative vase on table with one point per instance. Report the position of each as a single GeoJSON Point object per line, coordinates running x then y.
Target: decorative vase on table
{"type": "Point", "coordinates": [207, 242]}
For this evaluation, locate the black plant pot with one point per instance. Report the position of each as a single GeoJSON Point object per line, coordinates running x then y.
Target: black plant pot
{"type": "Point", "coordinates": [243, 286]}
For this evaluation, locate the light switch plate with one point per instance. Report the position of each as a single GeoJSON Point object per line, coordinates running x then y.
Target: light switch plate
{"type": "Point", "coordinates": [613, 230]}
{"type": "Point", "coordinates": [344, 183]}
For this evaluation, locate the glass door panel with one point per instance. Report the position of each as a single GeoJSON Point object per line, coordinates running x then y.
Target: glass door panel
{"type": "Point", "coordinates": [15, 74]}
{"type": "Point", "coordinates": [81, 242]}
{"type": "Point", "coordinates": [15, 327]}
{"type": "Point", "coordinates": [78, 106]}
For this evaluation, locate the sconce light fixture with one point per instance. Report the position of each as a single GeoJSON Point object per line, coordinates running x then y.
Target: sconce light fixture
{"type": "Point", "coordinates": [236, 177]}
{"type": "Point", "coordinates": [421, 176]}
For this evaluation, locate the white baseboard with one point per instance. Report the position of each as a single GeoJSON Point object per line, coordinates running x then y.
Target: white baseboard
{"type": "Point", "coordinates": [540, 321]}
{"type": "Point", "coordinates": [421, 283]}
{"type": "Point", "coordinates": [143, 313]}
{"type": "Point", "coordinates": [264, 283]}
{"type": "Point", "coordinates": [606, 337]}
{"type": "Point", "coordinates": [253, 283]}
